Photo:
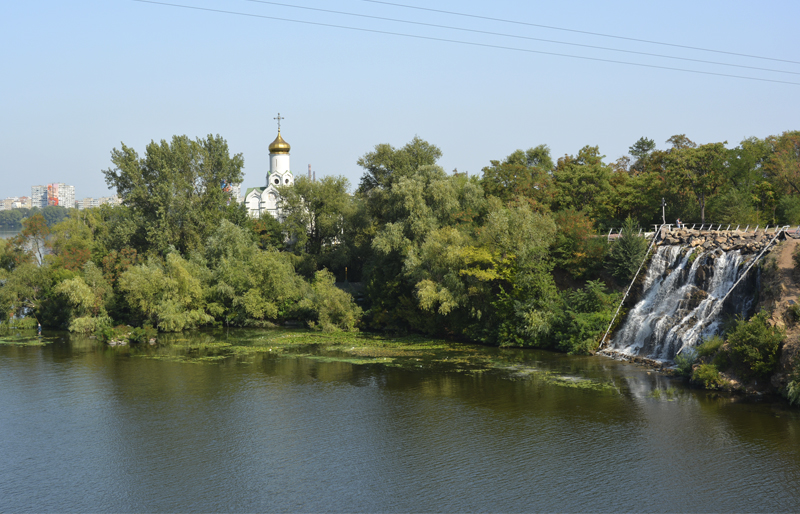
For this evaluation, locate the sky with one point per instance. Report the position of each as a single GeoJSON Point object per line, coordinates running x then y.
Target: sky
{"type": "Point", "coordinates": [82, 77]}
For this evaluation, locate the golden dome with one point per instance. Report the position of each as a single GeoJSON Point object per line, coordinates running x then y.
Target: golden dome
{"type": "Point", "coordinates": [279, 145]}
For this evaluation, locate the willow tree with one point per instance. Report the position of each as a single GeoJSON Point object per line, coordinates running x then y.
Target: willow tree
{"type": "Point", "coordinates": [178, 191]}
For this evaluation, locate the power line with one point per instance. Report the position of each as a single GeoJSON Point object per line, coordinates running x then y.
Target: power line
{"type": "Point", "coordinates": [578, 31]}
{"type": "Point", "coordinates": [477, 31]}
{"type": "Point", "coordinates": [471, 43]}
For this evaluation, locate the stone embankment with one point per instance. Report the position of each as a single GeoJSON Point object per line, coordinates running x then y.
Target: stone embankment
{"type": "Point", "coordinates": [725, 240]}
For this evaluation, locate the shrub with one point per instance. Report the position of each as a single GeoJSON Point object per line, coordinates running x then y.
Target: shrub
{"type": "Point", "coordinates": [627, 253]}
{"type": "Point", "coordinates": [722, 360]}
{"type": "Point", "coordinates": [143, 334]}
{"type": "Point", "coordinates": [792, 391]}
{"type": "Point", "coordinates": [583, 317]}
{"type": "Point", "coordinates": [26, 323]}
{"type": "Point", "coordinates": [335, 309]}
{"type": "Point", "coordinates": [707, 376]}
{"type": "Point", "coordinates": [684, 362]}
{"type": "Point", "coordinates": [88, 324]}
{"type": "Point", "coordinates": [105, 331]}
{"type": "Point", "coordinates": [710, 346]}
{"type": "Point", "coordinates": [754, 346]}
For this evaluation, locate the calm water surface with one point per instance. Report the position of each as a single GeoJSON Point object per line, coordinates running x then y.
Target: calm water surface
{"type": "Point", "coordinates": [85, 427]}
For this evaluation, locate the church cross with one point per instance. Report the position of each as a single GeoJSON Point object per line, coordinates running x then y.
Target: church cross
{"type": "Point", "coordinates": [279, 118]}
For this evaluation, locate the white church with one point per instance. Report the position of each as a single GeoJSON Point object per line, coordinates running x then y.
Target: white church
{"type": "Point", "coordinates": [265, 199]}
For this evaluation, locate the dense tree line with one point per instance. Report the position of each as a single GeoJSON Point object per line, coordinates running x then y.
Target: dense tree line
{"type": "Point", "coordinates": [11, 219]}
{"type": "Point", "coordinates": [511, 257]}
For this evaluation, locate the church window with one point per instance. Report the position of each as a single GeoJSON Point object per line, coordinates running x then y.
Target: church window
{"type": "Point", "coordinates": [277, 180]}
{"type": "Point", "coordinates": [287, 181]}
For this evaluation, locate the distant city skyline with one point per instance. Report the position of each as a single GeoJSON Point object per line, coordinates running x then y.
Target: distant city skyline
{"type": "Point", "coordinates": [54, 194]}
{"type": "Point", "coordinates": [88, 76]}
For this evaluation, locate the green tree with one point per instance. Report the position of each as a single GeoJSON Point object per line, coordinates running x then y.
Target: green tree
{"type": "Point", "coordinates": [524, 174]}
{"type": "Point", "coordinates": [641, 151]}
{"type": "Point", "coordinates": [627, 253]}
{"type": "Point", "coordinates": [12, 218]}
{"type": "Point", "coordinates": [583, 317]}
{"type": "Point", "coordinates": [54, 214]}
{"type": "Point", "coordinates": [414, 209]}
{"type": "Point", "coordinates": [268, 232]}
{"type": "Point", "coordinates": [522, 294]}
{"type": "Point", "coordinates": [386, 165]}
{"type": "Point", "coordinates": [71, 241]}
{"type": "Point", "coordinates": [699, 169]}
{"type": "Point", "coordinates": [334, 309]}
{"type": "Point", "coordinates": [783, 169]}
{"type": "Point", "coordinates": [583, 182]}
{"type": "Point", "coordinates": [314, 217]}
{"type": "Point", "coordinates": [169, 295]}
{"type": "Point", "coordinates": [747, 196]}
{"type": "Point", "coordinates": [250, 287]}
{"type": "Point", "coordinates": [25, 290]}
{"type": "Point", "coordinates": [637, 195]}
{"type": "Point", "coordinates": [33, 237]}
{"type": "Point", "coordinates": [88, 296]}
{"type": "Point", "coordinates": [177, 190]}
{"type": "Point", "coordinates": [576, 248]}
{"type": "Point", "coordinates": [681, 142]}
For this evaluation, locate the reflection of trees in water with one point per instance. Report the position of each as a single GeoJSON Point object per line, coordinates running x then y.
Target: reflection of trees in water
{"type": "Point", "coordinates": [723, 419]}
{"type": "Point", "coordinates": [511, 383]}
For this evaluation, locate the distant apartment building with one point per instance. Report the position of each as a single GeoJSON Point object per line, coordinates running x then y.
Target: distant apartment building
{"type": "Point", "coordinates": [15, 202]}
{"type": "Point", "coordinates": [53, 194]}
{"type": "Point", "coordinates": [39, 196]}
{"type": "Point", "coordinates": [61, 195]}
{"type": "Point", "coordinates": [88, 203]}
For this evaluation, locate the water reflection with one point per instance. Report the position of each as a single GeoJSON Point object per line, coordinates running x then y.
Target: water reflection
{"type": "Point", "coordinates": [132, 429]}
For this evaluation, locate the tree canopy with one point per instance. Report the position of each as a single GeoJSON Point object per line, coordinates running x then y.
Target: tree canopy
{"type": "Point", "coordinates": [177, 189]}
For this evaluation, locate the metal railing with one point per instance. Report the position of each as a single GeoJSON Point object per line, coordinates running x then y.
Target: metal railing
{"type": "Point", "coordinates": [615, 233]}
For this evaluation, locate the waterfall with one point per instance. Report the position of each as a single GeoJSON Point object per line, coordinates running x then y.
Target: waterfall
{"type": "Point", "coordinates": [680, 303]}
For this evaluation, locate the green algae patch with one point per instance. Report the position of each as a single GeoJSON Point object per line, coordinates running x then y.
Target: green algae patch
{"type": "Point", "coordinates": [25, 339]}
{"type": "Point", "coordinates": [354, 360]}
{"type": "Point", "coordinates": [580, 383]}
{"type": "Point", "coordinates": [413, 353]}
{"type": "Point", "coordinates": [550, 377]}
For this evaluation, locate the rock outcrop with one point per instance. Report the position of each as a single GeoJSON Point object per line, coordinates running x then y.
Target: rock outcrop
{"type": "Point", "coordinates": [746, 242]}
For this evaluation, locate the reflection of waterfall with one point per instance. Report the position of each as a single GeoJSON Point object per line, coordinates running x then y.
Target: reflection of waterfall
{"type": "Point", "coordinates": [680, 303]}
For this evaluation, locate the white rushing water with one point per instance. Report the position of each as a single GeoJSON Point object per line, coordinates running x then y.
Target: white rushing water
{"type": "Point", "coordinates": [680, 304]}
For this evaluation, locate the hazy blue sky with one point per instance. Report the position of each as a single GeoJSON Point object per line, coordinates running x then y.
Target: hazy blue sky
{"type": "Point", "coordinates": [80, 77]}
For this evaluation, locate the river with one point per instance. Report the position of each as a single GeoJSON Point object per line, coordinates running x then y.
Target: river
{"type": "Point", "coordinates": [87, 427]}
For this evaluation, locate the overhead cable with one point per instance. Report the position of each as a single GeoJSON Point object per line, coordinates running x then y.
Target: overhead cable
{"type": "Point", "coordinates": [449, 27]}
{"type": "Point", "coordinates": [470, 43]}
{"type": "Point", "coordinates": [578, 31]}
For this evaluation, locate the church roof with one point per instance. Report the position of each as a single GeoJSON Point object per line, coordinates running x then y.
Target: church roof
{"type": "Point", "coordinates": [251, 189]}
{"type": "Point", "coordinates": [279, 145]}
